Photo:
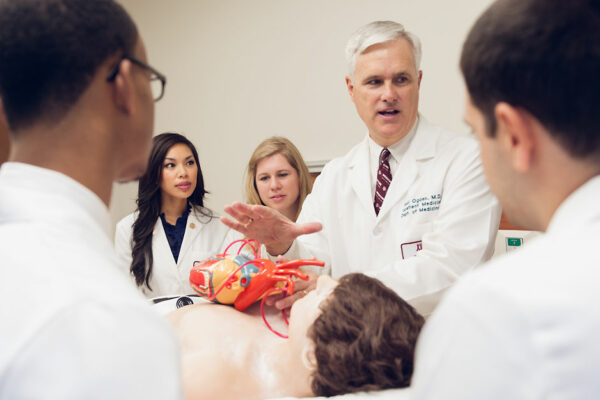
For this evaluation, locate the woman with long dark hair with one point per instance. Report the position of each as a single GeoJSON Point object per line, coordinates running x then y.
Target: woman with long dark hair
{"type": "Point", "coordinates": [158, 243]}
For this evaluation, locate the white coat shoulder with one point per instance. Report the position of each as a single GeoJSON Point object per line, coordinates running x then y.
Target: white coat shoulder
{"type": "Point", "coordinates": [126, 223]}
{"type": "Point", "coordinates": [123, 237]}
{"type": "Point", "coordinates": [430, 141]}
{"type": "Point", "coordinates": [339, 165]}
{"type": "Point", "coordinates": [448, 142]}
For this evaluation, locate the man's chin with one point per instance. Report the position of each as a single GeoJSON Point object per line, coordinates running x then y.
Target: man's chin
{"type": "Point", "coordinates": [387, 138]}
{"type": "Point", "coordinates": [128, 180]}
{"type": "Point", "coordinates": [130, 175]}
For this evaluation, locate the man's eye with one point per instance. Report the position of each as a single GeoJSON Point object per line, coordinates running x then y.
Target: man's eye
{"type": "Point", "coordinates": [401, 80]}
{"type": "Point", "coordinates": [373, 82]}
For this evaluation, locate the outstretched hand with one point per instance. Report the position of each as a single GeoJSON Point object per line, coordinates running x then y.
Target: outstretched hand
{"type": "Point", "coordinates": [301, 289]}
{"type": "Point", "coordinates": [267, 226]}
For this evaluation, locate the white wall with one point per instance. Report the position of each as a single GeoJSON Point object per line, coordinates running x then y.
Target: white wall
{"type": "Point", "coordinates": [242, 70]}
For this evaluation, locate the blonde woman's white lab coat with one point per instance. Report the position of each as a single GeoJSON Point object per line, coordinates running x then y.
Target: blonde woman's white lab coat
{"type": "Point", "coordinates": [438, 220]}
{"type": "Point", "coordinates": [204, 237]}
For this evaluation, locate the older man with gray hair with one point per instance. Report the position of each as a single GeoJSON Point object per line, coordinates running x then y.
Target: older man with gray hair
{"type": "Point", "coordinates": [408, 204]}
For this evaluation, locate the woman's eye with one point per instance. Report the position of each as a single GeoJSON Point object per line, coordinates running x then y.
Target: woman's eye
{"type": "Point", "coordinates": [263, 178]}
{"type": "Point", "coordinates": [283, 174]}
{"type": "Point", "coordinates": [169, 165]}
{"type": "Point", "coordinates": [191, 162]}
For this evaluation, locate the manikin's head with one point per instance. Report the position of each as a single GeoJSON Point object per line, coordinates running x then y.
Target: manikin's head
{"type": "Point", "coordinates": [531, 72]}
{"type": "Point", "coordinates": [361, 335]}
{"type": "Point", "coordinates": [384, 79]}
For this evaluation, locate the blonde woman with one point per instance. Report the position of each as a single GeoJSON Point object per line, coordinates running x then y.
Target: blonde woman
{"type": "Point", "coordinates": [277, 177]}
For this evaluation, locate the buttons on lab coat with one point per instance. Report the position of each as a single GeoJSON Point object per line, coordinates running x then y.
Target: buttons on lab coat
{"type": "Point", "coordinates": [192, 225]}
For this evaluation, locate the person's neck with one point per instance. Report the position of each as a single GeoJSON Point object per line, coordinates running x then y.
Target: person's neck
{"type": "Point", "coordinates": [390, 142]}
{"type": "Point", "coordinates": [291, 212]}
{"type": "Point", "coordinates": [287, 374]}
{"type": "Point", "coordinates": [74, 150]}
{"type": "Point", "coordinates": [564, 182]}
{"type": "Point", "coordinates": [556, 177]}
{"type": "Point", "coordinates": [172, 207]}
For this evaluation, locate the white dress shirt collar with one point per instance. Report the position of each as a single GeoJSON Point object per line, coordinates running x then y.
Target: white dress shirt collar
{"type": "Point", "coordinates": [397, 151]}
{"type": "Point", "coordinates": [578, 209]}
{"type": "Point", "coordinates": [41, 184]}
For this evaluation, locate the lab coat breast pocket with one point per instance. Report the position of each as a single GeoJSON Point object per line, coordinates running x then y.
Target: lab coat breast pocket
{"type": "Point", "coordinates": [411, 240]}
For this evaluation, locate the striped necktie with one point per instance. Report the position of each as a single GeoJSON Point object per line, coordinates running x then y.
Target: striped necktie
{"type": "Point", "coordinates": [384, 178]}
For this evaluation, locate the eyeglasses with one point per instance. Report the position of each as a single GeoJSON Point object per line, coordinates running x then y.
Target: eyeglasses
{"type": "Point", "coordinates": [157, 80]}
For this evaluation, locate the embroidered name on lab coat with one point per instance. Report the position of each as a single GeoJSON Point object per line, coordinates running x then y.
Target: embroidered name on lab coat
{"type": "Point", "coordinates": [421, 204]}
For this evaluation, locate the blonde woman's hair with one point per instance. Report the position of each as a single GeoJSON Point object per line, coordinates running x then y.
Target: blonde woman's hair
{"type": "Point", "coordinates": [269, 147]}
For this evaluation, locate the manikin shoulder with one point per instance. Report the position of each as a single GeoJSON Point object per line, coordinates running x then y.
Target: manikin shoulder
{"type": "Point", "coordinates": [222, 351]}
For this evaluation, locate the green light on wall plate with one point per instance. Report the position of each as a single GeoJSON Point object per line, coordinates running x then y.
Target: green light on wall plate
{"type": "Point", "coordinates": [514, 242]}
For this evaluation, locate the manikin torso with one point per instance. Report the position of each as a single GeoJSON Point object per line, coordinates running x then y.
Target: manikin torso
{"type": "Point", "coordinates": [228, 354]}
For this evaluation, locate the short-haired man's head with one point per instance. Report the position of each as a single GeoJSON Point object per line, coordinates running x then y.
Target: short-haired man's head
{"type": "Point", "coordinates": [50, 51]}
{"type": "Point", "coordinates": [269, 147]}
{"type": "Point", "coordinates": [364, 338]}
{"type": "Point", "coordinates": [542, 56]}
{"type": "Point", "coordinates": [375, 33]}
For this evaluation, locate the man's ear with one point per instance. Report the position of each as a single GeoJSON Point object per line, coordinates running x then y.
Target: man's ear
{"type": "Point", "coordinates": [123, 88]}
{"type": "Point", "coordinates": [350, 87]}
{"type": "Point", "coordinates": [419, 79]}
{"type": "Point", "coordinates": [309, 359]}
{"type": "Point", "coordinates": [4, 135]}
{"type": "Point", "coordinates": [516, 136]}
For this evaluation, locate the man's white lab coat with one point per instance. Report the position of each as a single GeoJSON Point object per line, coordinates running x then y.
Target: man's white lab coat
{"type": "Point", "coordinates": [525, 326]}
{"type": "Point", "coordinates": [438, 220]}
{"type": "Point", "coordinates": [72, 326]}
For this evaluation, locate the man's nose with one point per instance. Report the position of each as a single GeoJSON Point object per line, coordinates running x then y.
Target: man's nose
{"type": "Point", "coordinates": [389, 93]}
